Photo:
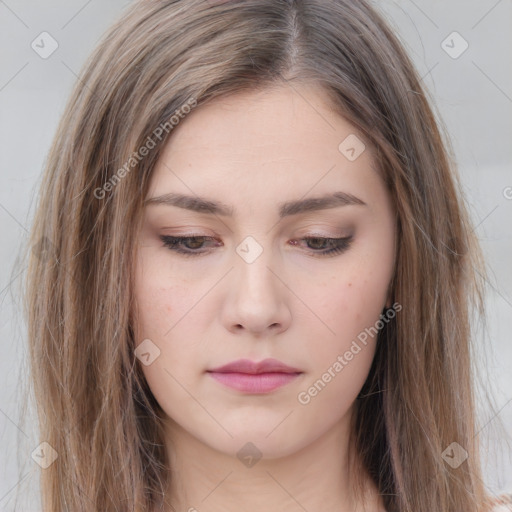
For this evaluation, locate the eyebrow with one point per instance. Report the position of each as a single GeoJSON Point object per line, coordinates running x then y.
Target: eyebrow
{"type": "Point", "coordinates": [204, 205]}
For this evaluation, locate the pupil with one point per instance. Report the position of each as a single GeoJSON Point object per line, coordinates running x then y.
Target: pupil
{"type": "Point", "coordinates": [318, 242]}
{"type": "Point", "coordinates": [195, 243]}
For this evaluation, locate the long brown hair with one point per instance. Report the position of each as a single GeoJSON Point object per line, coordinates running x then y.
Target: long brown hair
{"type": "Point", "coordinates": [94, 407]}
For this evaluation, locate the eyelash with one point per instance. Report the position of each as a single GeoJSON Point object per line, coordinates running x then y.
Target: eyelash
{"type": "Point", "coordinates": [340, 244]}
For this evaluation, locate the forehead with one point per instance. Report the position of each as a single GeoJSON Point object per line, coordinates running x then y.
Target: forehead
{"type": "Point", "coordinates": [279, 118]}
{"type": "Point", "coordinates": [282, 141]}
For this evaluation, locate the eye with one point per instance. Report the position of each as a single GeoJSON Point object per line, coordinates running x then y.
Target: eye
{"type": "Point", "coordinates": [191, 243]}
{"type": "Point", "coordinates": [323, 246]}
{"type": "Point", "coordinates": [319, 246]}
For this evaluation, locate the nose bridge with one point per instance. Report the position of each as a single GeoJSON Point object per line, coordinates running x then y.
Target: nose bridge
{"type": "Point", "coordinates": [253, 260]}
{"type": "Point", "coordinates": [256, 301]}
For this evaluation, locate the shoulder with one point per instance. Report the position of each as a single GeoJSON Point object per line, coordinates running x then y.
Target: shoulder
{"type": "Point", "coordinates": [502, 503]}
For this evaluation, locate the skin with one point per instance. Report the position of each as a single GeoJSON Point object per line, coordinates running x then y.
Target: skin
{"type": "Point", "coordinates": [253, 151]}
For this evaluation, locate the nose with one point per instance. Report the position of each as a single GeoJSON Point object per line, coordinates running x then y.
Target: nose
{"type": "Point", "coordinates": [257, 299]}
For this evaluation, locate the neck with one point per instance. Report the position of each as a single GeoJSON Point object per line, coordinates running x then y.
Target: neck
{"type": "Point", "coordinates": [315, 477]}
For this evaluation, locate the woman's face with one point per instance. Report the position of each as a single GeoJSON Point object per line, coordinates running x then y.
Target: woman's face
{"type": "Point", "coordinates": [259, 282]}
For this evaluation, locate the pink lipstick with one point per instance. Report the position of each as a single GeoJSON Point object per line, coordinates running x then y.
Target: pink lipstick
{"type": "Point", "coordinates": [251, 377]}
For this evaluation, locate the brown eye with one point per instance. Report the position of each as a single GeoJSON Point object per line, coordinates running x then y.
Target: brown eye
{"type": "Point", "coordinates": [317, 243]}
{"type": "Point", "coordinates": [186, 245]}
{"type": "Point", "coordinates": [323, 246]}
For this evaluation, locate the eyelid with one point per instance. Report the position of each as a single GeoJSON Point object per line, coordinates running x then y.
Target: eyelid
{"type": "Point", "coordinates": [330, 229]}
{"type": "Point", "coordinates": [316, 234]}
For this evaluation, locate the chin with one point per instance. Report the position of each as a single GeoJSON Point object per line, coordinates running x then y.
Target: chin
{"type": "Point", "coordinates": [249, 447]}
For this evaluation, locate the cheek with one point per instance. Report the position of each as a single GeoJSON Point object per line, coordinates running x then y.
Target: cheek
{"type": "Point", "coordinates": [160, 300]}
{"type": "Point", "coordinates": [160, 306]}
{"type": "Point", "coordinates": [341, 353]}
{"type": "Point", "coordinates": [348, 307]}
{"type": "Point", "coordinates": [351, 301]}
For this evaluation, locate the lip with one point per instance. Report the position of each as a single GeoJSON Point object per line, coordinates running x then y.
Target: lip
{"type": "Point", "coordinates": [251, 367]}
{"type": "Point", "coordinates": [255, 377]}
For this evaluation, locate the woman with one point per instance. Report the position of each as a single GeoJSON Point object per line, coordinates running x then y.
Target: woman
{"type": "Point", "coordinates": [253, 272]}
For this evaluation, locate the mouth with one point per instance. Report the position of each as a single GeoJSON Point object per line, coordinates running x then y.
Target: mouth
{"type": "Point", "coordinates": [251, 377]}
